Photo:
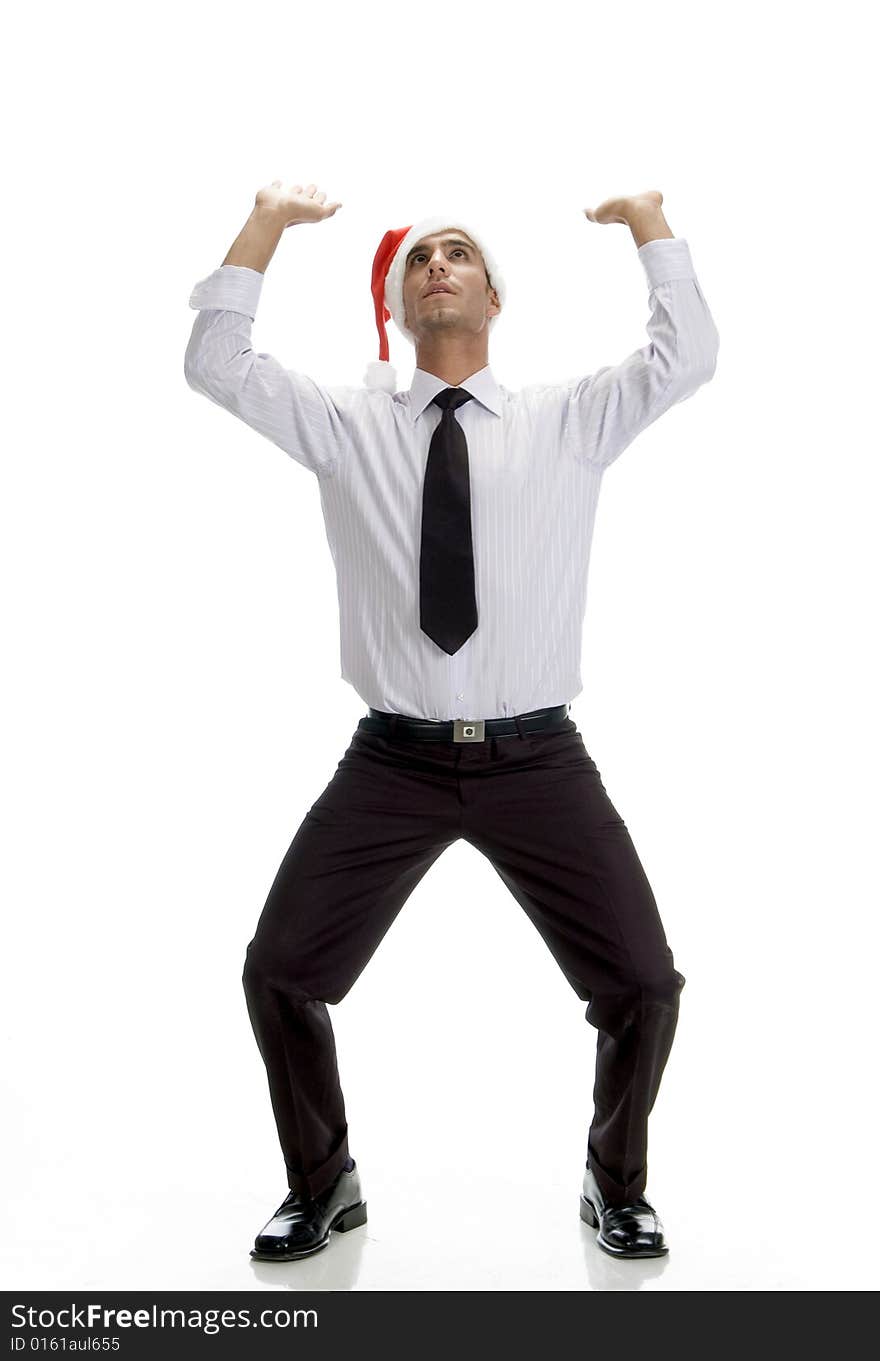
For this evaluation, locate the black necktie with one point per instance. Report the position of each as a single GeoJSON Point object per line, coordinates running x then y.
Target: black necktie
{"type": "Point", "coordinates": [447, 595]}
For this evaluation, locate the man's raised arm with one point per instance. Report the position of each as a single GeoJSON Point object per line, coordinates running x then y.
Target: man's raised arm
{"type": "Point", "coordinates": [285, 406]}
{"type": "Point", "coordinates": [606, 410]}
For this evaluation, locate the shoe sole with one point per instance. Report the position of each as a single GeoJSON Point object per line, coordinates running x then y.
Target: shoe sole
{"type": "Point", "coordinates": [589, 1216]}
{"type": "Point", "coordinates": [350, 1218]}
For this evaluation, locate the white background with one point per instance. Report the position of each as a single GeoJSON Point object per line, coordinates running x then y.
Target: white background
{"type": "Point", "coordinates": [172, 698]}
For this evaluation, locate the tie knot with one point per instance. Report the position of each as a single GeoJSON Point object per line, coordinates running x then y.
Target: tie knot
{"type": "Point", "coordinates": [452, 398]}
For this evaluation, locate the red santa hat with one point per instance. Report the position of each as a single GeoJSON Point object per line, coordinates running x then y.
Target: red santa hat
{"type": "Point", "coordinates": [387, 285]}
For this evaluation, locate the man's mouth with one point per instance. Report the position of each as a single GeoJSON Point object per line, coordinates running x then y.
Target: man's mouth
{"type": "Point", "coordinates": [438, 288]}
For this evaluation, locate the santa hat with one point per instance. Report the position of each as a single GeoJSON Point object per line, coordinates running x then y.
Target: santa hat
{"type": "Point", "coordinates": [389, 264]}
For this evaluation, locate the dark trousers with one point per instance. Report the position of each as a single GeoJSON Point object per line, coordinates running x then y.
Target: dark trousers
{"type": "Point", "coordinates": [534, 804]}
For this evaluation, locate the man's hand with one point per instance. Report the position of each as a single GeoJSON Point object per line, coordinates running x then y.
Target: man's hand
{"type": "Point", "coordinates": [640, 212]}
{"type": "Point", "coordinates": [622, 209]}
{"type": "Point", "coordinates": [277, 206]}
{"type": "Point", "coordinates": [293, 204]}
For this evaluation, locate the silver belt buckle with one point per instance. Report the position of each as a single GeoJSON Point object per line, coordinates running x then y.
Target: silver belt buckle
{"type": "Point", "coordinates": [469, 730]}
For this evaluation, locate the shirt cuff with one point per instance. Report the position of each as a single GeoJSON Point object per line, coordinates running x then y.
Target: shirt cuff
{"type": "Point", "coordinates": [667, 257]}
{"type": "Point", "coordinates": [231, 288]}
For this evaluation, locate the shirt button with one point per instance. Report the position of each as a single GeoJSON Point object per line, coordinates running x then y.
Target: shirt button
{"type": "Point", "coordinates": [459, 696]}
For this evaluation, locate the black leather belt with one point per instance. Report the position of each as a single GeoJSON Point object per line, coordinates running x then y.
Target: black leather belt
{"type": "Point", "coordinates": [462, 729]}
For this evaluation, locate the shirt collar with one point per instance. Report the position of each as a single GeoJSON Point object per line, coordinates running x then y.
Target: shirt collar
{"type": "Point", "coordinates": [481, 385]}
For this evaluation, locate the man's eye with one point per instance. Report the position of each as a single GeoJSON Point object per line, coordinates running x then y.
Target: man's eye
{"type": "Point", "coordinates": [458, 251]}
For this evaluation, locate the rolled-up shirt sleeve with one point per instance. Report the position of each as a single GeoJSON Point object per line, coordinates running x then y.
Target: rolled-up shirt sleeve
{"type": "Point", "coordinates": [298, 415]}
{"type": "Point", "coordinates": [604, 411]}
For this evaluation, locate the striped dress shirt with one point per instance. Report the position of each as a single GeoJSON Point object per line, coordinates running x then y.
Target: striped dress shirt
{"type": "Point", "coordinates": [536, 459]}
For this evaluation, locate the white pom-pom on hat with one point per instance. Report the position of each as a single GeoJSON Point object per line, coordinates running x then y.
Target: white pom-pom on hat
{"type": "Point", "coordinates": [389, 265]}
{"type": "Point", "coordinates": [381, 374]}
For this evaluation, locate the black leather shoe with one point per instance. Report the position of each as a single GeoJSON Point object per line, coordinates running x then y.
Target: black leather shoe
{"type": "Point", "coordinates": [301, 1225]}
{"type": "Point", "coordinates": [632, 1230]}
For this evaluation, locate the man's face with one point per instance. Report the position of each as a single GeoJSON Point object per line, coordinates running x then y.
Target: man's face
{"type": "Point", "coordinates": [450, 261]}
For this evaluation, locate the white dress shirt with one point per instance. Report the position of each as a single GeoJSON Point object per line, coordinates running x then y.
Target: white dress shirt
{"type": "Point", "coordinates": [536, 459]}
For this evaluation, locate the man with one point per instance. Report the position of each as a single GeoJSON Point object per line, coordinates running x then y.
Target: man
{"type": "Point", "coordinates": [459, 517]}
